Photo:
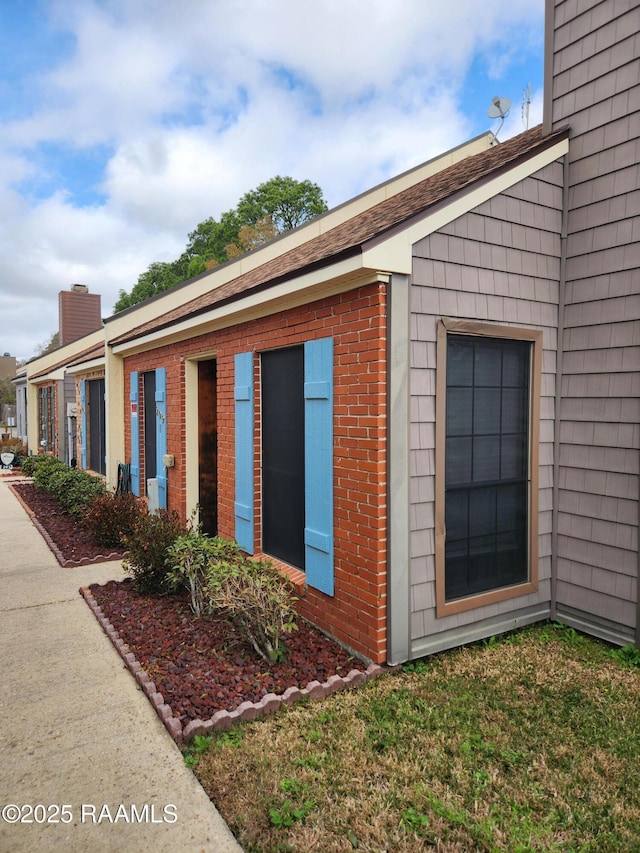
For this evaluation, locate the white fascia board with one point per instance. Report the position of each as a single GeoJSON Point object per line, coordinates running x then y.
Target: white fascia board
{"type": "Point", "coordinates": [68, 352]}
{"type": "Point", "coordinates": [86, 366]}
{"type": "Point", "coordinates": [394, 254]}
{"type": "Point", "coordinates": [342, 276]}
{"type": "Point", "coordinates": [54, 376]}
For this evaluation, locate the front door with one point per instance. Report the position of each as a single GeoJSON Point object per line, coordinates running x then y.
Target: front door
{"type": "Point", "coordinates": [283, 469]}
{"type": "Point", "coordinates": [208, 447]}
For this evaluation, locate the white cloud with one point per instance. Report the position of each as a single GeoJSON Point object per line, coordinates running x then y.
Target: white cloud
{"type": "Point", "coordinates": [197, 104]}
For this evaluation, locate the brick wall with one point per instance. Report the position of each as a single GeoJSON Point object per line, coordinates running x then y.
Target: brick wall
{"type": "Point", "coordinates": [356, 613]}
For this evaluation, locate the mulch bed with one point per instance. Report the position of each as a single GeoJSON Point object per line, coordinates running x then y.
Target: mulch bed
{"type": "Point", "coordinates": [200, 666]}
{"type": "Point", "coordinates": [72, 544]}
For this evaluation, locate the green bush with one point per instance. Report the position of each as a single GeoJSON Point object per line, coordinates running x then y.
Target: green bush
{"type": "Point", "coordinates": [259, 601]}
{"type": "Point", "coordinates": [151, 536]}
{"type": "Point", "coordinates": [73, 489]}
{"type": "Point", "coordinates": [112, 517]}
{"type": "Point", "coordinates": [44, 468]}
{"type": "Point", "coordinates": [190, 559]}
{"type": "Point", "coordinates": [30, 464]}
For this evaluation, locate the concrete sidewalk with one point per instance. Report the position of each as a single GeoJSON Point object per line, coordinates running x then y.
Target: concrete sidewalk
{"type": "Point", "coordinates": [75, 730]}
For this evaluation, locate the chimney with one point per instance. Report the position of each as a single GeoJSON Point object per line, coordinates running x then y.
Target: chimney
{"type": "Point", "coordinates": [79, 313]}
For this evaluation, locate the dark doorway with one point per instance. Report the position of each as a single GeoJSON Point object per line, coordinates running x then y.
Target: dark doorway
{"type": "Point", "coordinates": [150, 439]}
{"type": "Point", "coordinates": [208, 446]}
{"type": "Point", "coordinates": [97, 440]}
{"type": "Point", "coordinates": [283, 455]}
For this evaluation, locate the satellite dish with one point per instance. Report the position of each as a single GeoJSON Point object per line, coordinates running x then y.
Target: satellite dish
{"type": "Point", "coordinates": [499, 109]}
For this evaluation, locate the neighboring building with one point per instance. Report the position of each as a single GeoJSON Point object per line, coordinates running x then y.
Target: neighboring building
{"type": "Point", "coordinates": [20, 382]}
{"type": "Point", "coordinates": [52, 388]}
{"type": "Point", "coordinates": [423, 404]}
{"type": "Point", "coordinates": [7, 366]}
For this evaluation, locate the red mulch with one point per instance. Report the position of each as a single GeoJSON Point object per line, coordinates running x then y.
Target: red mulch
{"type": "Point", "coordinates": [74, 542]}
{"type": "Point", "coordinates": [199, 665]}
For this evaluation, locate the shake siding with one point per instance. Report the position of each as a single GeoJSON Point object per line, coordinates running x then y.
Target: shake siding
{"type": "Point", "coordinates": [499, 263]}
{"type": "Point", "coordinates": [596, 74]}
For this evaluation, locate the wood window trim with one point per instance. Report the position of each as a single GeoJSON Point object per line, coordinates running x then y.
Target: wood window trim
{"type": "Point", "coordinates": [452, 326]}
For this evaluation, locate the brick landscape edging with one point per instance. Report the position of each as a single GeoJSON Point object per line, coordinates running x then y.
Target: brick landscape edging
{"type": "Point", "coordinates": [57, 553]}
{"type": "Point", "coordinates": [221, 720]}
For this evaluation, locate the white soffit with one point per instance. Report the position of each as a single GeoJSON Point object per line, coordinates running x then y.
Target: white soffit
{"type": "Point", "coordinates": [394, 253]}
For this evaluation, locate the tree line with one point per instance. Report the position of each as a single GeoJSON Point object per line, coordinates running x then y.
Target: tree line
{"type": "Point", "coordinates": [274, 207]}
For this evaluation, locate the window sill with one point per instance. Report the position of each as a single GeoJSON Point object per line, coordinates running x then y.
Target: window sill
{"type": "Point", "coordinates": [296, 576]}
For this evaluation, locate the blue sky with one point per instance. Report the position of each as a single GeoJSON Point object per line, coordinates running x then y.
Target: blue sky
{"type": "Point", "coordinates": [125, 124]}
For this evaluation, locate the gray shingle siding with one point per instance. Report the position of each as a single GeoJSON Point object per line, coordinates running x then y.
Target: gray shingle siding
{"type": "Point", "coordinates": [596, 90]}
{"type": "Point", "coordinates": [498, 263]}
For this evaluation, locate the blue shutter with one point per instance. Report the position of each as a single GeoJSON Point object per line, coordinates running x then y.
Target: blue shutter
{"type": "Point", "coordinates": [161, 435]}
{"type": "Point", "coordinates": [135, 434]}
{"type": "Point", "coordinates": [243, 397]}
{"type": "Point", "coordinates": [83, 424]}
{"type": "Point", "coordinates": [318, 461]}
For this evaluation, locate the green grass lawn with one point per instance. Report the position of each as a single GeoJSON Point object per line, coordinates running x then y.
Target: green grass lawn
{"type": "Point", "coordinates": [522, 743]}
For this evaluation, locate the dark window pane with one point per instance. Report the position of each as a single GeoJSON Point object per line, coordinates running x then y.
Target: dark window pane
{"type": "Point", "coordinates": [515, 365]}
{"type": "Point", "coordinates": [514, 410]}
{"type": "Point", "coordinates": [459, 411]}
{"type": "Point", "coordinates": [488, 364]}
{"type": "Point", "coordinates": [513, 457]}
{"type": "Point", "coordinates": [486, 411]}
{"type": "Point", "coordinates": [457, 515]}
{"type": "Point", "coordinates": [486, 470]}
{"type": "Point", "coordinates": [486, 458]}
{"type": "Point", "coordinates": [482, 512]}
{"type": "Point", "coordinates": [459, 363]}
{"type": "Point", "coordinates": [458, 460]}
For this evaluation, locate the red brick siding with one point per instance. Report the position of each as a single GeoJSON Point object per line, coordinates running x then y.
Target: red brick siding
{"type": "Point", "coordinates": [356, 613]}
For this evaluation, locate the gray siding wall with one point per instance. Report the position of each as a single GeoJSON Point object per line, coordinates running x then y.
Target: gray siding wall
{"type": "Point", "coordinates": [596, 91]}
{"type": "Point", "coordinates": [498, 263]}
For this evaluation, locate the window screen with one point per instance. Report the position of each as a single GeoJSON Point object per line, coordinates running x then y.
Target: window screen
{"type": "Point", "coordinates": [486, 464]}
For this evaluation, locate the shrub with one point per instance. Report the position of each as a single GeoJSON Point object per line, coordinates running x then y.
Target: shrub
{"type": "Point", "coordinates": [44, 468]}
{"type": "Point", "coordinates": [29, 464]}
{"type": "Point", "coordinates": [73, 489]}
{"type": "Point", "coordinates": [258, 600]}
{"type": "Point", "coordinates": [112, 517]}
{"type": "Point", "coordinates": [151, 536]}
{"type": "Point", "coordinates": [190, 559]}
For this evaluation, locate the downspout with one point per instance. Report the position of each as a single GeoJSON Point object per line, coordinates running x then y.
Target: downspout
{"type": "Point", "coordinates": [558, 389]}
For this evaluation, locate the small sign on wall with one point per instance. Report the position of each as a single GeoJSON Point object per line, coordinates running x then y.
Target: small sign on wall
{"type": "Point", "coordinates": [134, 410]}
{"type": "Point", "coordinates": [7, 459]}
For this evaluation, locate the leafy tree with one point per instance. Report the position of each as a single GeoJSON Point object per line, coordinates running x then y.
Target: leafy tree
{"type": "Point", "coordinates": [160, 276]}
{"type": "Point", "coordinates": [50, 345]}
{"type": "Point", "coordinates": [7, 392]}
{"type": "Point", "coordinates": [286, 201]}
{"type": "Point", "coordinates": [276, 206]}
{"type": "Point", "coordinates": [210, 238]}
{"type": "Point", "coordinates": [252, 236]}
